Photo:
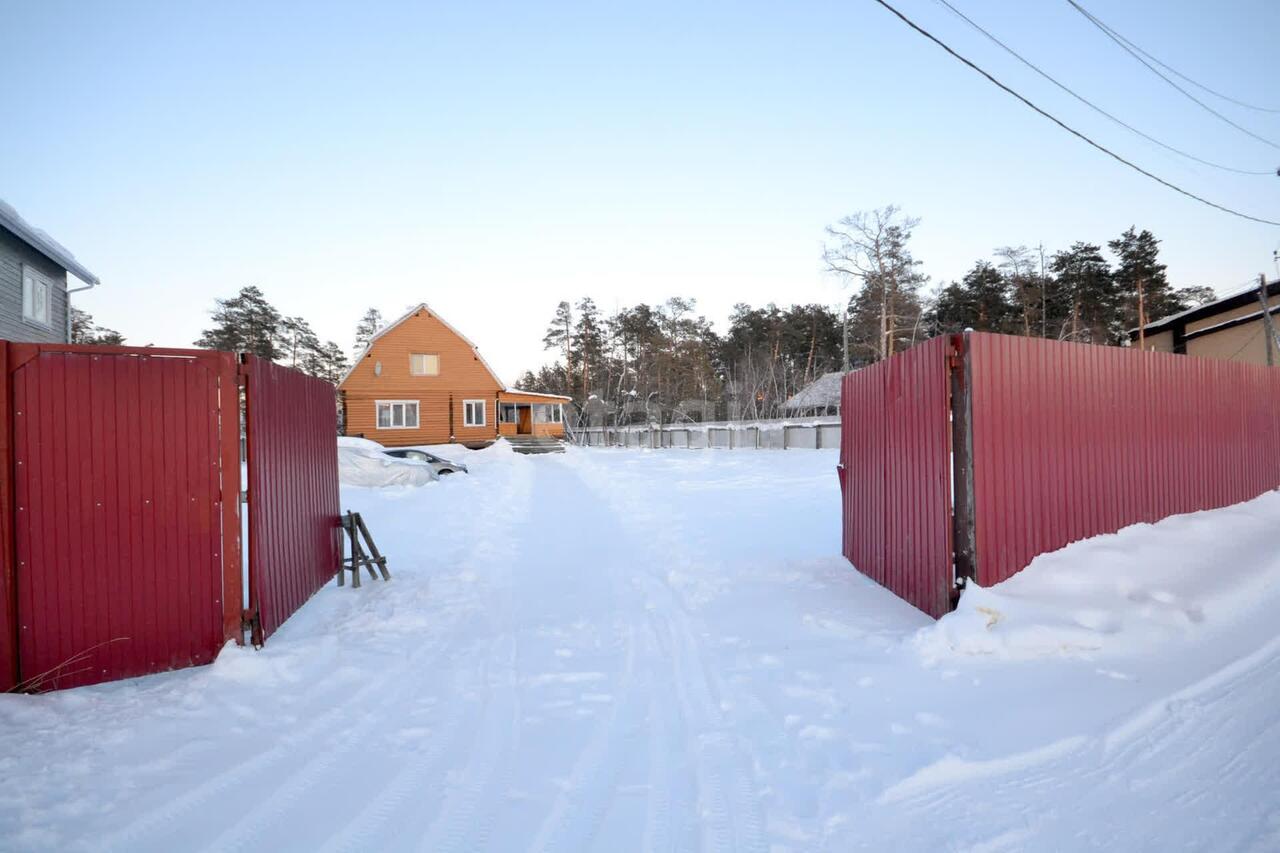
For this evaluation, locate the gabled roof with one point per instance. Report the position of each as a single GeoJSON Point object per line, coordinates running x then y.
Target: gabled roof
{"type": "Point", "coordinates": [421, 306]}
{"type": "Point", "coordinates": [44, 244]}
{"type": "Point", "coordinates": [821, 393]}
{"type": "Point", "coordinates": [1218, 306]}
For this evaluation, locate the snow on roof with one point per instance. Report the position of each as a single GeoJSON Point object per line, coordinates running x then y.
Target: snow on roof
{"type": "Point", "coordinates": [536, 394]}
{"type": "Point", "coordinates": [1215, 306]}
{"type": "Point", "coordinates": [421, 306]}
{"type": "Point", "coordinates": [821, 393]}
{"type": "Point", "coordinates": [43, 243]}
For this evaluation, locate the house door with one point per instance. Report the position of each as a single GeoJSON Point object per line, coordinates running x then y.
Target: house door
{"type": "Point", "coordinates": [524, 420]}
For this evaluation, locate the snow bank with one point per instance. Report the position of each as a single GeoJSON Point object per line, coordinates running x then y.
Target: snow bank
{"type": "Point", "coordinates": [363, 463]}
{"type": "Point", "coordinates": [1122, 593]}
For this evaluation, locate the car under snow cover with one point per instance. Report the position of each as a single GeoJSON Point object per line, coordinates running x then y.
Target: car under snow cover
{"type": "Point", "coordinates": [438, 463]}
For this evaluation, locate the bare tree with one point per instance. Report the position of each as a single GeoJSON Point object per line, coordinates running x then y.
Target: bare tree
{"type": "Point", "coordinates": [871, 248]}
{"type": "Point", "coordinates": [1018, 265]}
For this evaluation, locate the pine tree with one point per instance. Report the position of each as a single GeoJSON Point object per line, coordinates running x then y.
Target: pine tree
{"type": "Point", "coordinates": [559, 335]}
{"type": "Point", "coordinates": [980, 302]}
{"type": "Point", "coordinates": [588, 343]}
{"type": "Point", "coordinates": [85, 331]}
{"type": "Point", "coordinates": [1141, 283]}
{"type": "Point", "coordinates": [327, 362]}
{"type": "Point", "coordinates": [244, 323]}
{"type": "Point", "coordinates": [296, 344]}
{"type": "Point", "coordinates": [1084, 303]}
{"type": "Point", "coordinates": [366, 329]}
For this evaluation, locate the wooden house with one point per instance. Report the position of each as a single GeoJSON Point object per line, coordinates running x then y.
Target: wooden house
{"type": "Point", "coordinates": [421, 381]}
{"type": "Point", "coordinates": [35, 300]}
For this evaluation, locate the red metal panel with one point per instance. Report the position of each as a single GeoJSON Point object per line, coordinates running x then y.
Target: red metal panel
{"type": "Point", "coordinates": [895, 446]}
{"type": "Point", "coordinates": [1073, 440]}
{"type": "Point", "coordinates": [8, 597]}
{"type": "Point", "coordinates": [294, 547]}
{"type": "Point", "coordinates": [118, 490]}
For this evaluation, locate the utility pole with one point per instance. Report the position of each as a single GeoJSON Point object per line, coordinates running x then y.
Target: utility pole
{"type": "Point", "coordinates": [1267, 324]}
{"type": "Point", "coordinates": [1044, 297]}
{"type": "Point", "coordinates": [1142, 319]}
{"type": "Point", "coordinates": [846, 337]}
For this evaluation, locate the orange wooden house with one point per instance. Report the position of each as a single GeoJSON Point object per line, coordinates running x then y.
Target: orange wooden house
{"type": "Point", "coordinates": [420, 381]}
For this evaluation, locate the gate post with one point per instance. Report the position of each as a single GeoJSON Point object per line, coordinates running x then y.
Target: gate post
{"type": "Point", "coordinates": [963, 537]}
{"type": "Point", "coordinates": [8, 589]}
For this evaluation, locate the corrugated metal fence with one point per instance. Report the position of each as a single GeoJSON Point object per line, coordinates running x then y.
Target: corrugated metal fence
{"type": "Point", "coordinates": [120, 549]}
{"type": "Point", "coordinates": [896, 476]}
{"type": "Point", "coordinates": [1041, 443]}
{"type": "Point", "coordinates": [119, 563]}
{"type": "Point", "coordinates": [1071, 440]}
{"type": "Point", "coordinates": [294, 545]}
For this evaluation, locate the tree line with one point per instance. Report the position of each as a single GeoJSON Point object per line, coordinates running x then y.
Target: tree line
{"type": "Point", "coordinates": [247, 322]}
{"type": "Point", "coordinates": [646, 359]}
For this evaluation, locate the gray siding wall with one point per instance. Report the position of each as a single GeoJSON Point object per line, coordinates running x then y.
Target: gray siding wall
{"type": "Point", "coordinates": [14, 253]}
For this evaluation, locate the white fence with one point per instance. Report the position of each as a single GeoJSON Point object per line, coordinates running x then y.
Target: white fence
{"type": "Point", "coordinates": [800, 434]}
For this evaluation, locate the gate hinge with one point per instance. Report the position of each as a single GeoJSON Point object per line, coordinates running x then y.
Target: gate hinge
{"type": "Point", "coordinates": [251, 623]}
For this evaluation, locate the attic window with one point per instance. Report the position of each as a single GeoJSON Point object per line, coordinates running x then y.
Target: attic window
{"type": "Point", "coordinates": [424, 364]}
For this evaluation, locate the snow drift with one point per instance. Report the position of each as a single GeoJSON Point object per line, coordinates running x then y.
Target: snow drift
{"type": "Point", "coordinates": [1125, 592]}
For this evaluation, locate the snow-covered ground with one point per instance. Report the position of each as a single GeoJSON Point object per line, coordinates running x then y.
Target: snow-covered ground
{"type": "Point", "coordinates": [617, 650]}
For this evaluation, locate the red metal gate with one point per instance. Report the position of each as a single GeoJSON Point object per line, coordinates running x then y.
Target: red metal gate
{"type": "Point", "coordinates": [896, 474]}
{"type": "Point", "coordinates": [294, 527]}
{"type": "Point", "coordinates": [1046, 443]}
{"type": "Point", "coordinates": [121, 546]}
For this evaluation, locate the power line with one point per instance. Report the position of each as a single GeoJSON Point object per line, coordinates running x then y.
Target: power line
{"type": "Point", "coordinates": [1176, 72]}
{"type": "Point", "coordinates": [1067, 127]}
{"type": "Point", "coordinates": [1124, 45]}
{"type": "Point", "coordinates": [1094, 106]}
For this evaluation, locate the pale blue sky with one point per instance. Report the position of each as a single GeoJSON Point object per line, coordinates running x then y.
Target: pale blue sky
{"type": "Point", "coordinates": [491, 159]}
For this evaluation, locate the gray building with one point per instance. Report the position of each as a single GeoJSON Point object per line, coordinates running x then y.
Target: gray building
{"type": "Point", "coordinates": [34, 304]}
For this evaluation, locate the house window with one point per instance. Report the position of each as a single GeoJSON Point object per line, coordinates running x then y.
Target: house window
{"type": "Point", "coordinates": [507, 413]}
{"type": "Point", "coordinates": [557, 413]}
{"type": "Point", "coordinates": [424, 364]}
{"type": "Point", "coordinates": [397, 414]}
{"type": "Point", "coordinates": [35, 297]}
{"type": "Point", "coordinates": [473, 413]}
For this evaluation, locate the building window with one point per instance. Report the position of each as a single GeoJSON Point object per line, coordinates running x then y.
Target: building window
{"type": "Point", "coordinates": [397, 414]}
{"type": "Point", "coordinates": [473, 413]}
{"type": "Point", "coordinates": [35, 297]}
{"type": "Point", "coordinates": [507, 413]}
{"type": "Point", "coordinates": [424, 364]}
{"type": "Point", "coordinates": [547, 413]}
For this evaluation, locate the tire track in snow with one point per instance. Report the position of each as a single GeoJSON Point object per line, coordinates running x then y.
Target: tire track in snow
{"type": "Point", "coordinates": [331, 725]}
{"type": "Point", "coordinates": [268, 812]}
{"type": "Point", "coordinates": [365, 830]}
{"type": "Point", "coordinates": [727, 797]}
{"type": "Point", "coordinates": [328, 725]}
{"type": "Point", "coordinates": [461, 826]}
{"type": "Point", "coordinates": [593, 782]}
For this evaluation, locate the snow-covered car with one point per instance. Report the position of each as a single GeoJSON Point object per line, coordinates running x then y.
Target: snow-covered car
{"type": "Point", "coordinates": [438, 463]}
{"type": "Point", "coordinates": [366, 463]}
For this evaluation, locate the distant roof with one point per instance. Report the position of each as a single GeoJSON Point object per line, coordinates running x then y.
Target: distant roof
{"type": "Point", "coordinates": [1218, 306]}
{"type": "Point", "coordinates": [43, 243]}
{"type": "Point", "coordinates": [821, 393]}
{"type": "Point", "coordinates": [421, 306]}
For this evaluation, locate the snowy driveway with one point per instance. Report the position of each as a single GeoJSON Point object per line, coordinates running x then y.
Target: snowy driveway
{"type": "Point", "coordinates": [622, 650]}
